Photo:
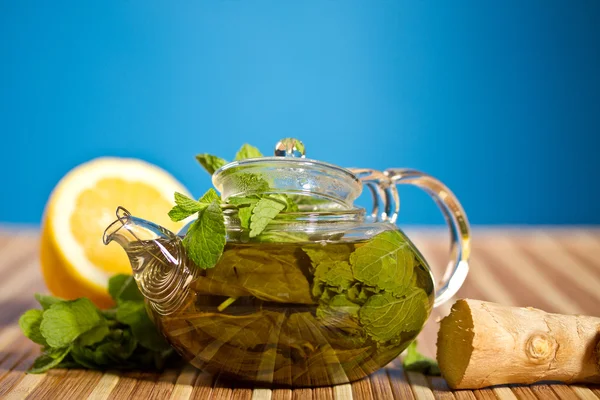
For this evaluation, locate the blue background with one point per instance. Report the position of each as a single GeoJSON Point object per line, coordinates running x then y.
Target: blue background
{"type": "Point", "coordinates": [501, 102]}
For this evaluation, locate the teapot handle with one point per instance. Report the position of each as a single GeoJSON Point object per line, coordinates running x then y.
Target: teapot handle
{"type": "Point", "coordinates": [460, 235]}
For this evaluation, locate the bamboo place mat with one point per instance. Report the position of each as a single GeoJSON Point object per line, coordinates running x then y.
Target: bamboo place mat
{"type": "Point", "coordinates": [557, 270]}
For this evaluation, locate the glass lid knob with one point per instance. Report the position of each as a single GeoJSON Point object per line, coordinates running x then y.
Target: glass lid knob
{"type": "Point", "coordinates": [290, 147]}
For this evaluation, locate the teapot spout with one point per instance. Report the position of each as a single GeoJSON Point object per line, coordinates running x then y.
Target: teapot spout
{"type": "Point", "coordinates": [157, 259]}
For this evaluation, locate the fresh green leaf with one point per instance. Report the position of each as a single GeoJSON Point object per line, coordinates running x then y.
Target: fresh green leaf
{"type": "Point", "coordinates": [49, 360]}
{"type": "Point", "coordinates": [121, 346]}
{"type": "Point", "coordinates": [94, 335]}
{"type": "Point", "coordinates": [312, 203]}
{"type": "Point", "coordinates": [123, 287]}
{"type": "Point", "coordinates": [385, 316]}
{"type": "Point", "coordinates": [210, 163]}
{"type": "Point", "coordinates": [133, 313]}
{"type": "Point", "coordinates": [205, 238]}
{"type": "Point", "coordinates": [209, 197]}
{"type": "Point", "coordinates": [30, 325]}
{"type": "Point", "coordinates": [68, 363]}
{"type": "Point", "coordinates": [245, 214]}
{"type": "Point", "coordinates": [109, 313]}
{"type": "Point", "coordinates": [185, 206]}
{"type": "Point", "coordinates": [249, 183]}
{"type": "Point", "coordinates": [386, 262]}
{"type": "Point", "coordinates": [178, 214]}
{"type": "Point", "coordinates": [115, 352]}
{"type": "Point", "coordinates": [89, 358]}
{"type": "Point", "coordinates": [47, 301]}
{"type": "Point", "coordinates": [290, 206]}
{"type": "Point", "coordinates": [243, 200]}
{"type": "Point", "coordinates": [265, 210]}
{"type": "Point", "coordinates": [75, 333]}
{"type": "Point", "coordinates": [415, 361]}
{"type": "Point", "coordinates": [245, 206]}
{"type": "Point", "coordinates": [247, 151]}
{"type": "Point", "coordinates": [64, 322]}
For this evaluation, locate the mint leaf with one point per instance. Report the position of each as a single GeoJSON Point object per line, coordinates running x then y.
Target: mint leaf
{"type": "Point", "coordinates": [94, 335]}
{"type": "Point", "coordinates": [242, 331]}
{"type": "Point", "coordinates": [123, 287]}
{"type": "Point", "coordinates": [245, 214]}
{"type": "Point", "coordinates": [247, 151]}
{"type": "Point", "coordinates": [385, 316]}
{"type": "Point", "coordinates": [339, 313]}
{"type": "Point", "coordinates": [245, 206]}
{"type": "Point", "coordinates": [249, 183]}
{"type": "Point", "coordinates": [338, 307]}
{"type": "Point", "coordinates": [47, 301]}
{"type": "Point", "coordinates": [74, 333]}
{"type": "Point", "coordinates": [336, 274]}
{"type": "Point", "coordinates": [243, 200]}
{"type": "Point", "coordinates": [265, 210]}
{"type": "Point", "coordinates": [210, 196]}
{"type": "Point", "coordinates": [386, 262]}
{"type": "Point", "coordinates": [319, 253]}
{"type": "Point", "coordinates": [282, 237]}
{"type": "Point", "coordinates": [271, 275]}
{"type": "Point", "coordinates": [311, 203]}
{"type": "Point", "coordinates": [177, 214]}
{"type": "Point", "coordinates": [185, 206]}
{"type": "Point", "coordinates": [117, 353]}
{"type": "Point", "coordinates": [210, 163]}
{"type": "Point", "coordinates": [290, 206]}
{"type": "Point", "coordinates": [358, 294]}
{"type": "Point", "coordinates": [415, 361]}
{"type": "Point", "coordinates": [30, 325]}
{"type": "Point", "coordinates": [49, 360]}
{"type": "Point", "coordinates": [133, 313]}
{"type": "Point", "coordinates": [119, 349]}
{"type": "Point", "coordinates": [64, 322]}
{"type": "Point", "coordinates": [205, 238]}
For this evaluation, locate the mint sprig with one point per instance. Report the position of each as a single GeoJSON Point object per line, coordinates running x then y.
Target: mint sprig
{"type": "Point", "coordinates": [247, 151]}
{"type": "Point", "coordinates": [76, 334]}
{"type": "Point", "coordinates": [264, 212]}
{"type": "Point", "coordinates": [210, 163]}
{"type": "Point", "coordinates": [184, 206]}
{"type": "Point", "coordinates": [205, 237]}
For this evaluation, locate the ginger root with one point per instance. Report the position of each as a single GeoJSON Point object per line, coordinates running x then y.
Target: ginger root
{"type": "Point", "coordinates": [483, 344]}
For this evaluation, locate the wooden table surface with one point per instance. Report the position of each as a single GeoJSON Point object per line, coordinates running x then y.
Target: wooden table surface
{"type": "Point", "coordinates": [557, 270]}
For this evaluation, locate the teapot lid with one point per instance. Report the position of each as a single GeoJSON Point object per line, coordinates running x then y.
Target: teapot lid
{"type": "Point", "coordinates": [289, 172]}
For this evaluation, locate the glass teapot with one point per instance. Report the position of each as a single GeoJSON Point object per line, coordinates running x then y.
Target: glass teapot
{"type": "Point", "coordinates": [326, 294]}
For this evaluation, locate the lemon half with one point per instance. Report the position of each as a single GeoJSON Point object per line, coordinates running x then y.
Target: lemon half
{"type": "Point", "coordinates": [75, 263]}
